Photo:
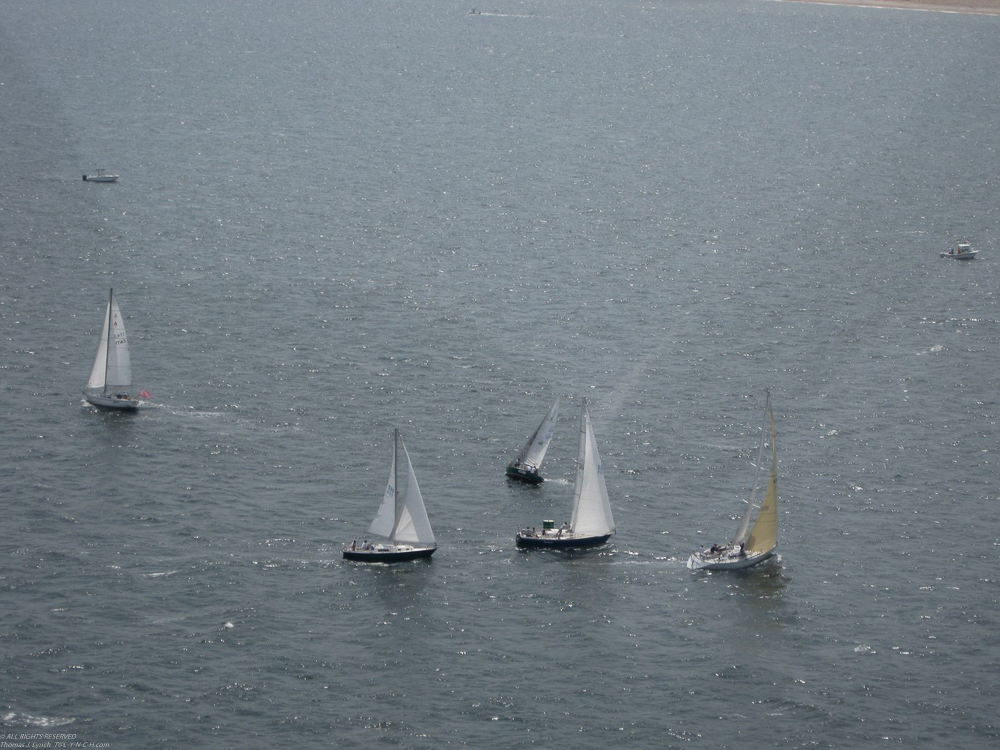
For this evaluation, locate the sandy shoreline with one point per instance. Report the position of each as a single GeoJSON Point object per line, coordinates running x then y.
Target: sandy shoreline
{"type": "Point", "coordinates": [987, 7]}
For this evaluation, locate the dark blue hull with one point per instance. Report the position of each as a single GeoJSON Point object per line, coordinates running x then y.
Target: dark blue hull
{"type": "Point", "coordinates": [554, 542]}
{"type": "Point", "coordinates": [388, 556]}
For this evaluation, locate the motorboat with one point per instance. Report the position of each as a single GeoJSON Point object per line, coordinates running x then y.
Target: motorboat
{"type": "Point", "coordinates": [961, 251]}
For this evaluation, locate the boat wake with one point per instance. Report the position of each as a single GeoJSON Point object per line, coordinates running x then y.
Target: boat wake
{"type": "Point", "coordinates": [673, 560]}
{"type": "Point", "coordinates": [502, 15]}
{"type": "Point", "coordinates": [195, 413]}
{"type": "Point", "coordinates": [14, 719]}
{"type": "Point", "coordinates": [168, 619]}
{"type": "Point", "coordinates": [231, 413]}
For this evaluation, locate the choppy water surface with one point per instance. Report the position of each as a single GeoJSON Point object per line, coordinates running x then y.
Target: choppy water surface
{"type": "Point", "coordinates": [333, 219]}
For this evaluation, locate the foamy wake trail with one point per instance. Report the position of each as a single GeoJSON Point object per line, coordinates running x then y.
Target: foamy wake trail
{"type": "Point", "coordinates": [14, 719]}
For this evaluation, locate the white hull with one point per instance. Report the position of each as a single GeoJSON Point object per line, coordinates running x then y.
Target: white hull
{"type": "Point", "coordinates": [706, 561]}
{"type": "Point", "coordinates": [111, 402]}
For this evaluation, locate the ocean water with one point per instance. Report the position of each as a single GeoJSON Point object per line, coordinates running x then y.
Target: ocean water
{"type": "Point", "coordinates": [338, 218]}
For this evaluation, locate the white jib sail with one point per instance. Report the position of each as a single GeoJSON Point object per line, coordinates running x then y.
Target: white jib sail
{"type": "Point", "coordinates": [591, 507]}
{"type": "Point", "coordinates": [412, 524]}
{"type": "Point", "coordinates": [534, 450]}
{"type": "Point", "coordinates": [112, 365]}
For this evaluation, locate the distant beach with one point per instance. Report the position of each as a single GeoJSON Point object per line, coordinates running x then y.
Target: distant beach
{"type": "Point", "coordinates": [988, 7]}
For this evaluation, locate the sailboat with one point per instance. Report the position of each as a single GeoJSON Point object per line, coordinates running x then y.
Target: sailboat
{"type": "Point", "coordinates": [756, 539]}
{"type": "Point", "coordinates": [111, 375]}
{"type": "Point", "coordinates": [528, 461]}
{"type": "Point", "coordinates": [591, 523]}
{"type": "Point", "coordinates": [401, 518]}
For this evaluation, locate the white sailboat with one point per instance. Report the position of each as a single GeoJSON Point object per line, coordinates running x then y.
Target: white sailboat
{"type": "Point", "coordinates": [111, 375]}
{"type": "Point", "coordinates": [756, 538]}
{"type": "Point", "coordinates": [592, 522]}
{"type": "Point", "coordinates": [401, 518]}
{"type": "Point", "coordinates": [528, 461]}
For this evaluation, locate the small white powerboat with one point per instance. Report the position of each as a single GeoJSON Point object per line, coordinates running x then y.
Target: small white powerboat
{"type": "Point", "coordinates": [101, 175]}
{"type": "Point", "coordinates": [961, 251]}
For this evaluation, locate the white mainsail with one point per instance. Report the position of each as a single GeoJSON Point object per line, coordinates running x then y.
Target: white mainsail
{"type": "Point", "coordinates": [534, 450]}
{"type": "Point", "coordinates": [412, 524]}
{"type": "Point", "coordinates": [401, 516]}
{"type": "Point", "coordinates": [591, 507]}
{"type": "Point", "coordinates": [112, 365]}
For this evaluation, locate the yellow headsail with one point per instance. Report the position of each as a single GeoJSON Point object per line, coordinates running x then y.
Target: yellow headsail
{"type": "Point", "coordinates": [763, 536]}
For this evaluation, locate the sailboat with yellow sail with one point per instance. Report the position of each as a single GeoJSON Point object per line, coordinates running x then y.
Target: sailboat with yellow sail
{"type": "Point", "coordinates": [756, 538]}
